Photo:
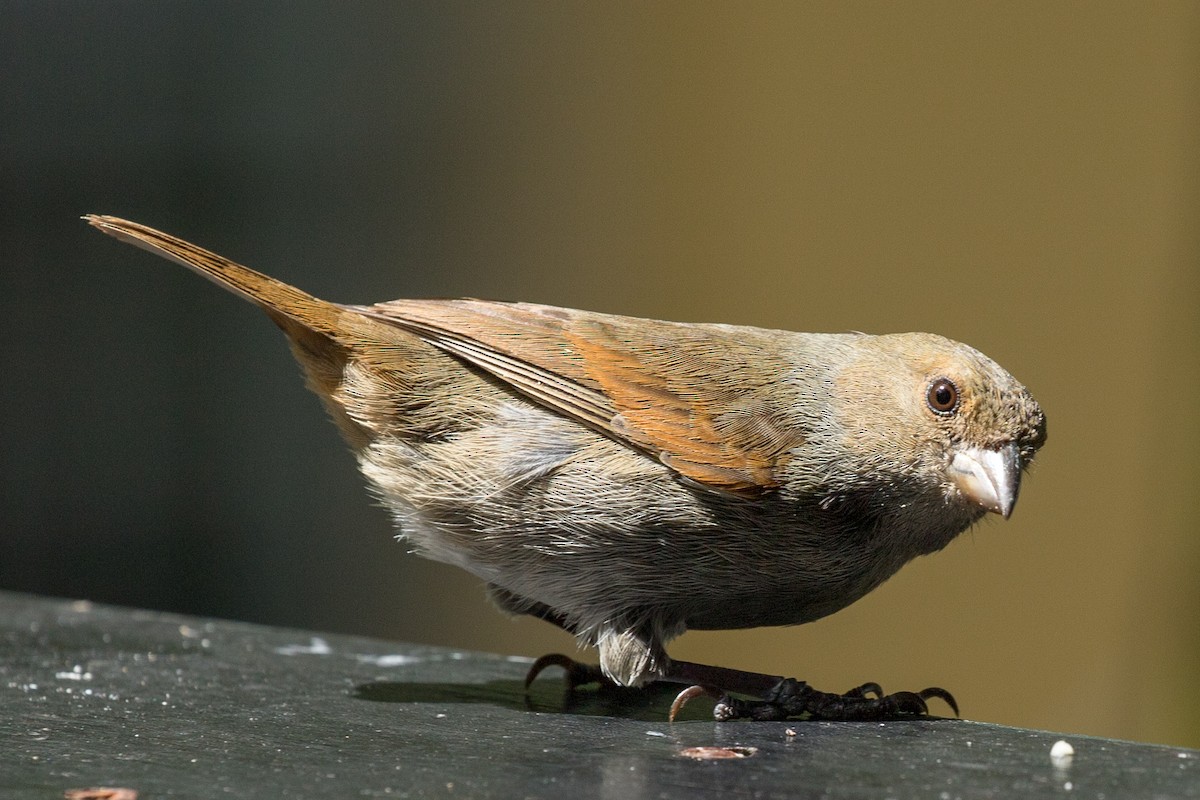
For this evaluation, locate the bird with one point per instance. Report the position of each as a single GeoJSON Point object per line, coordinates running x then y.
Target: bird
{"type": "Point", "coordinates": [629, 479]}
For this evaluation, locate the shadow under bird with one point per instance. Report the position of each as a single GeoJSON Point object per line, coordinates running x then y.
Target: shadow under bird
{"type": "Point", "coordinates": [628, 479]}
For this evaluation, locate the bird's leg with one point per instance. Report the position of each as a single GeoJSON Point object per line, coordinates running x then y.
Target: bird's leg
{"type": "Point", "coordinates": [775, 697]}
{"type": "Point", "coordinates": [779, 698]}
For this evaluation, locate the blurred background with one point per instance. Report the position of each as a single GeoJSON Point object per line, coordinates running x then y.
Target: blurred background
{"type": "Point", "coordinates": [1023, 177]}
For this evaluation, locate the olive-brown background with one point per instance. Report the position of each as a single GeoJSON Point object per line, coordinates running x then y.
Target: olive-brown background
{"type": "Point", "coordinates": [1024, 177]}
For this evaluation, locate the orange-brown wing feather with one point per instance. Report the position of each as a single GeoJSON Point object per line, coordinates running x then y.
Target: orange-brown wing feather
{"type": "Point", "coordinates": [682, 393]}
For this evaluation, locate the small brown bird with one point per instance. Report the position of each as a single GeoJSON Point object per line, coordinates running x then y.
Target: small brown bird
{"type": "Point", "coordinates": [628, 479]}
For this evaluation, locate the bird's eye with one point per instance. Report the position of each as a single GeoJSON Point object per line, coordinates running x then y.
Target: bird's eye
{"type": "Point", "coordinates": [942, 396]}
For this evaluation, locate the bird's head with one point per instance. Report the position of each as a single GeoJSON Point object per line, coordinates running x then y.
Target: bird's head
{"type": "Point", "coordinates": [939, 415]}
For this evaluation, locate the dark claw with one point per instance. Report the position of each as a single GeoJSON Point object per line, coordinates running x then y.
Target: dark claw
{"type": "Point", "coordinates": [577, 674]}
{"type": "Point", "coordinates": [866, 689]}
{"type": "Point", "coordinates": [941, 694]}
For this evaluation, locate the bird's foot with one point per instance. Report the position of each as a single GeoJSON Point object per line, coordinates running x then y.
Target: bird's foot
{"type": "Point", "coordinates": [577, 674]}
{"type": "Point", "coordinates": [774, 698]}
{"type": "Point", "coordinates": [792, 698]}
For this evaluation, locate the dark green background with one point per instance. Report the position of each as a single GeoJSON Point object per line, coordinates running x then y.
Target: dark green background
{"type": "Point", "coordinates": [1024, 177]}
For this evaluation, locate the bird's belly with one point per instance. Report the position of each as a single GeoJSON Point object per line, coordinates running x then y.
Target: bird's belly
{"type": "Point", "coordinates": [595, 535]}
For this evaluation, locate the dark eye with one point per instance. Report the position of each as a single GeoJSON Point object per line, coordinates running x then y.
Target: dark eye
{"type": "Point", "coordinates": [942, 396]}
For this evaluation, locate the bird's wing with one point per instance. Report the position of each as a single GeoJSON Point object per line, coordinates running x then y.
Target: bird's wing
{"type": "Point", "coordinates": [681, 393]}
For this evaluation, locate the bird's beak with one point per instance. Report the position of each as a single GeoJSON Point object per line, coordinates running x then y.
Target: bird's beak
{"type": "Point", "coordinates": [990, 478]}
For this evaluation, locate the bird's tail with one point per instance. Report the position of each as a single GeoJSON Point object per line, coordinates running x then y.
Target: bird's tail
{"type": "Point", "coordinates": [284, 303]}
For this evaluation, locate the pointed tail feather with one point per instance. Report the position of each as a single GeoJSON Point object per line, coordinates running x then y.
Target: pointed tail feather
{"type": "Point", "coordinates": [275, 296]}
